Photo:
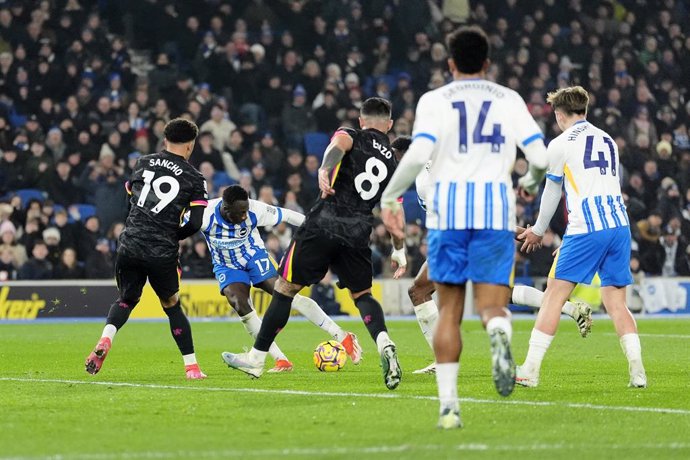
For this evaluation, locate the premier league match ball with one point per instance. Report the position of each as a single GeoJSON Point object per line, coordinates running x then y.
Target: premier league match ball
{"type": "Point", "coordinates": [329, 356]}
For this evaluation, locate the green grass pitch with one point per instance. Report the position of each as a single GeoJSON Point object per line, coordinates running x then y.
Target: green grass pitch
{"type": "Point", "coordinates": [140, 405]}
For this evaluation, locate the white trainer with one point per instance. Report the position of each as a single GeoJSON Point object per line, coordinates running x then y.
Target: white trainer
{"type": "Point", "coordinates": [241, 362]}
{"type": "Point", "coordinates": [525, 379]}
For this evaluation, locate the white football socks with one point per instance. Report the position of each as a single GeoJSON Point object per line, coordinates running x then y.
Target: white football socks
{"type": "Point", "coordinates": [630, 343]}
{"type": "Point", "coordinates": [109, 331]}
{"type": "Point", "coordinates": [532, 297]}
{"type": "Point", "coordinates": [427, 315]}
{"type": "Point", "coordinates": [539, 342]}
{"type": "Point", "coordinates": [189, 359]}
{"type": "Point", "coordinates": [257, 357]}
{"type": "Point", "coordinates": [382, 341]}
{"type": "Point", "coordinates": [447, 381]}
{"type": "Point", "coordinates": [500, 323]}
{"type": "Point", "coordinates": [252, 324]}
{"type": "Point", "coordinates": [313, 312]}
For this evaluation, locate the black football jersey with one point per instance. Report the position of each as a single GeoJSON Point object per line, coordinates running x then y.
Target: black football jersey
{"type": "Point", "coordinates": [359, 182]}
{"type": "Point", "coordinates": [163, 187]}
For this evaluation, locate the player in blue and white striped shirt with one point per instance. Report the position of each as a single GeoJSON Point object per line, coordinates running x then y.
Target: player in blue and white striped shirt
{"type": "Point", "coordinates": [470, 129]}
{"type": "Point", "coordinates": [230, 226]}
{"type": "Point", "coordinates": [585, 160]}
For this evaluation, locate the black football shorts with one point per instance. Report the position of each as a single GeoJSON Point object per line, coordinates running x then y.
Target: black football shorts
{"type": "Point", "coordinates": [131, 275]}
{"type": "Point", "coordinates": [308, 258]}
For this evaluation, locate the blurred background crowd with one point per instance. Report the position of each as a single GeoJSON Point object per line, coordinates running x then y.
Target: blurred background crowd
{"type": "Point", "coordinates": [86, 87]}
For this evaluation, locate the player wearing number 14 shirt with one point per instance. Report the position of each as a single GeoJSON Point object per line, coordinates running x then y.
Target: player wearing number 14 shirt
{"type": "Point", "coordinates": [162, 188]}
{"type": "Point", "coordinates": [357, 165]}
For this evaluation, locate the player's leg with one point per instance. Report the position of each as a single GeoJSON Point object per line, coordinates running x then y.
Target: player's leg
{"type": "Point", "coordinates": [313, 312]}
{"type": "Point", "coordinates": [577, 261]}
{"type": "Point", "coordinates": [448, 265]}
{"type": "Point", "coordinates": [615, 276]}
{"type": "Point", "coordinates": [305, 262]}
{"type": "Point", "coordinates": [557, 292]}
{"type": "Point", "coordinates": [164, 278]}
{"type": "Point", "coordinates": [235, 285]}
{"type": "Point", "coordinates": [447, 349]}
{"type": "Point", "coordinates": [491, 255]}
{"type": "Point", "coordinates": [425, 310]}
{"type": "Point", "coordinates": [353, 268]}
{"type": "Point", "coordinates": [130, 280]}
{"type": "Point", "coordinates": [580, 312]}
{"type": "Point", "coordinates": [491, 302]}
{"type": "Point", "coordinates": [626, 328]}
{"type": "Point", "coordinates": [237, 294]}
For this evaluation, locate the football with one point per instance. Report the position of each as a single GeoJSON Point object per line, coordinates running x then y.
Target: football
{"type": "Point", "coordinates": [329, 356]}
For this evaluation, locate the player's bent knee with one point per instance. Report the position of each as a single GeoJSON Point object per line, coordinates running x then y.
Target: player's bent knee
{"type": "Point", "coordinates": [170, 301]}
{"type": "Point", "coordinates": [357, 295]}
{"type": "Point", "coordinates": [286, 288]}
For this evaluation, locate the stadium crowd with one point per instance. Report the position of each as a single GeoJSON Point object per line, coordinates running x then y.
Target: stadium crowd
{"type": "Point", "coordinates": [86, 87]}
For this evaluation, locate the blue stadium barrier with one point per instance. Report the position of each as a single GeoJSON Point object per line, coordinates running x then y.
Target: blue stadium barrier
{"type": "Point", "coordinates": [315, 143]}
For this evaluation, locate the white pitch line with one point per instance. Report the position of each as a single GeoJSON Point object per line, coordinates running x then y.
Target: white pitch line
{"type": "Point", "coordinates": [661, 336]}
{"type": "Point", "coordinates": [659, 410]}
{"type": "Point", "coordinates": [330, 451]}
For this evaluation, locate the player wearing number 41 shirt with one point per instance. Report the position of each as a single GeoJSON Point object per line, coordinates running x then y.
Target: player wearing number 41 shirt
{"type": "Point", "coordinates": [357, 165]}
{"type": "Point", "coordinates": [240, 261]}
{"type": "Point", "coordinates": [162, 187]}
{"type": "Point", "coordinates": [584, 159]}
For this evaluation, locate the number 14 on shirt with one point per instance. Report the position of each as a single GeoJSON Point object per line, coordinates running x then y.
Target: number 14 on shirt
{"type": "Point", "coordinates": [496, 138]}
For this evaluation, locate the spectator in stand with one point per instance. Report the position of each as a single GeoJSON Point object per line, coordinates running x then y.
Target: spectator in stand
{"type": "Point", "coordinates": [219, 126]}
{"type": "Point", "coordinates": [196, 261]}
{"type": "Point", "coordinates": [8, 264]}
{"type": "Point", "coordinates": [8, 241]}
{"type": "Point", "coordinates": [204, 150]}
{"type": "Point", "coordinates": [297, 119]}
{"type": "Point", "coordinates": [38, 267]}
{"type": "Point", "coordinates": [88, 236]}
{"type": "Point", "coordinates": [51, 237]}
{"type": "Point", "coordinates": [62, 187]}
{"type": "Point", "coordinates": [668, 257]}
{"type": "Point", "coordinates": [69, 268]}
{"type": "Point", "coordinates": [99, 264]}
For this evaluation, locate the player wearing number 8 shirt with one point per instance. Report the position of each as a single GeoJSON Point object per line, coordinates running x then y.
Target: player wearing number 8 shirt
{"type": "Point", "coordinates": [162, 188]}
{"type": "Point", "coordinates": [357, 165]}
{"type": "Point", "coordinates": [584, 159]}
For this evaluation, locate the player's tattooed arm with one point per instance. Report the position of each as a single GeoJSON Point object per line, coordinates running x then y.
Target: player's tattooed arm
{"type": "Point", "coordinates": [336, 150]}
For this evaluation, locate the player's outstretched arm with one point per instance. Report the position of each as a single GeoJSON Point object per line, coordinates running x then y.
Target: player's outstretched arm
{"type": "Point", "coordinates": [292, 217]}
{"type": "Point", "coordinates": [341, 143]}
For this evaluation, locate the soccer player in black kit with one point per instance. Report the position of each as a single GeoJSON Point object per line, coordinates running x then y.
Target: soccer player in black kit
{"type": "Point", "coordinates": [162, 188]}
{"type": "Point", "coordinates": [357, 165]}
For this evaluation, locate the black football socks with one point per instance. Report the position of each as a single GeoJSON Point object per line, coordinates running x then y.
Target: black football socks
{"type": "Point", "coordinates": [275, 319]}
{"type": "Point", "coordinates": [180, 328]}
{"type": "Point", "coordinates": [372, 314]}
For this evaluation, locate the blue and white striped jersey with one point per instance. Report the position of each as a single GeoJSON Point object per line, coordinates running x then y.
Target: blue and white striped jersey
{"type": "Point", "coordinates": [475, 126]}
{"type": "Point", "coordinates": [588, 159]}
{"type": "Point", "coordinates": [233, 245]}
{"type": "Point", "coordinates": [421, 184]}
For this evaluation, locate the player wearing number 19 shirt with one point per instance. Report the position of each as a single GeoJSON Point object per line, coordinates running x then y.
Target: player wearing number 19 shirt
{"type": "Point", "coordinates": [357, 165]}
{"type": "Point", "coordinates": [162, 188]}
{"type": "Point", "coordinates": [584, 161]}
{"type": "Point", "coordinates": [470, 129]}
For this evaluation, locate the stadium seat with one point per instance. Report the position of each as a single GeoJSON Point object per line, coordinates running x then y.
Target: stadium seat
{"type": "Point", "coordinates": [28, 194]}
{"type": "Point", "coordinates": [85, 210]}
{"type": "Point", "coordinates": [315, 143]}
{"type": "Point", "coordinates": [221, 179]}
